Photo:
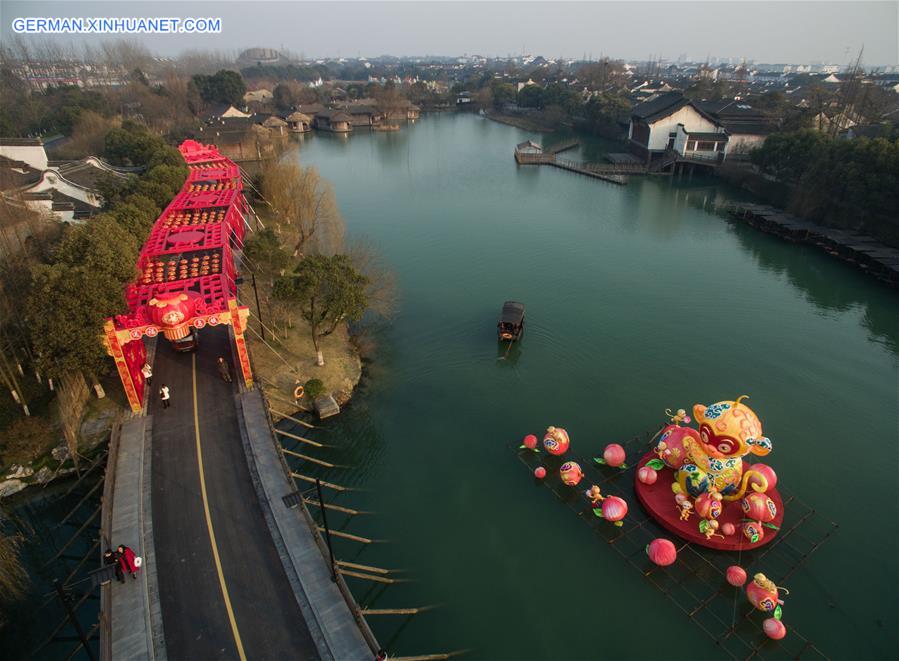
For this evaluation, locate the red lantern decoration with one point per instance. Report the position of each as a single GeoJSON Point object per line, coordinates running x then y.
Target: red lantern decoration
{"type": "Point", "coordinates": [571, 473]}
{"type": "Point", "coordinates": [556, 441]}
{"type": "Point", "coordinates": [736, 575]}
{"type": "Point", "coordinates": [540, 472]}
{"type": "Point", "coordinates": [728, 529]}
{"type": "Point", "coordinates": [614, 455]}
{"type": "Point", "coordinates": [661, 551]}
{"type": "Point", "coordinates": [758, 507]}
{"type": "Point", "coordinates": [708, 505]}
{"type": "Point", "coordinates": [530, 442]}
{"type": "Point", "coordinates": [647, 475]}
{"type": "Point", "coordinates": [774, 628]}
{"type": "Point", "coordinates": [766, 471]}
{"type": "Point", "coordinates": [614, 509]}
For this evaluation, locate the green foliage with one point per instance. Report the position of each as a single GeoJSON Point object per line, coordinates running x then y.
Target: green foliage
{"type": "Point", "coordinates": [313, 388]}
{"type": "Point", "coordinates": [266, 254]}
{"type": "Point", "coordinates": [848, 183]}
{"type": "Point", "coordinates": [65, 312]}
{"type": "Point", "coordinates": [531, 96]}
{"type": "Point", "coordinates": [162, 183]}
{"type": "Point", "coordinates": [327, 291]}
{"type": "Point", "coordinates": [101, 246]}
{"type": "Point", "coordinates": [283, 97]}
{"type": "Point", "coordinates": [222, 87]}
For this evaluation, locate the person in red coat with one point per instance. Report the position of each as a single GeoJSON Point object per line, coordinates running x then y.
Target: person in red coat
{"type": "Point", "coordinates": [126, 560]}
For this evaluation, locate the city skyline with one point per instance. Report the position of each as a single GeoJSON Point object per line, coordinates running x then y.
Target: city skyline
{"type": "Point", "coordinates": [765, 32]}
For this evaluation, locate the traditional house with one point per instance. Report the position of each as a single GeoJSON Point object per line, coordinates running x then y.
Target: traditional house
{"type": "Point", "coordinates": [666, 121]}
{"type": "Point", "coordinates": [336, 121]}
{"type": "Point", "coordinates": [747, 126]}
{"type": "Point", "coordinates": [222, 111]}
{"type": "Point", "coordinates": [26, 150]}
{"type": "Point", "coordinates": [275, 124]}
{"type": "Point", "coordinates": [298, 122]}
{"type": "Point", "coordinates": [364, 116]}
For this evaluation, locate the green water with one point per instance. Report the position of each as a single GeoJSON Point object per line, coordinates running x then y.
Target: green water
{"type": "Point", "coordinates": [638, 299]}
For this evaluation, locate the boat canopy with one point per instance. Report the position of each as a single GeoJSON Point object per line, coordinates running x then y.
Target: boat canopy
{"type": "Point", "coordinates": [513, 312]}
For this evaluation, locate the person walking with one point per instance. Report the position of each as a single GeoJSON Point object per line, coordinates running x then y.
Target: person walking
{"type": "Point", "coordinates": [223, 369]}
{"type": "Point", "coordinates": [164, 395]}
{"type": "Point", "coordinates": [147, 371]}
{"type": "Point", "coordinates": [112, 558]}
{"type": "Point", "coordinates": [128, 561]}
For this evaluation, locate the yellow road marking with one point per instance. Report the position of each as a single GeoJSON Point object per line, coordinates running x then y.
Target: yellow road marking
{"type": "Point", "coordinates": [215, 550]}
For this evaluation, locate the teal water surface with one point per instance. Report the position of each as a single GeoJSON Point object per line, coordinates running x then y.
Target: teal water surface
{"type": "Point", "coordinates": [638, 298]}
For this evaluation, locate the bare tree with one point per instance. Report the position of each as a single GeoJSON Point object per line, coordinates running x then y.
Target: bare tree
{"type": "Point", "coordinates": [305, 209]}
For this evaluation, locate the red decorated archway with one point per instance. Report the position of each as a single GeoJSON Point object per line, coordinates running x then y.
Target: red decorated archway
{"type": "Point", "coordinates": [186, 273]}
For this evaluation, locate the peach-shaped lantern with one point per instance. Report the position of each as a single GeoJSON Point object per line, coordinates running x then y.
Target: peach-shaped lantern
{"type": "Point", "coordinates": [753, 531]}
{"type": "Point", "coordinates": [530, 442]}
{"type": "Point", "coordinates": [540, 472]}
{"type": "Point", "coordinates": [758, 507]}
{"type": "Point", "coordinates": [614, 456]}
{"type": "Point", "coordinates": [736, 575]}
{"type": "Point", "coordinates": [708, 505]}
{"type": "Point", "coordinates": [774, 628]}
{"type": "Point", "coordinates": [661, 551]}
{"type": "Point", "coordinates": [728, 529]}
{"type": "Point", "coordinates": [614, 509]}
{"type": "Point", "coordinates": [766, 471]}
{"type": "Point", "coordinates": [647, 475]}
{"type": "Point", "coordinates": [762, 593]}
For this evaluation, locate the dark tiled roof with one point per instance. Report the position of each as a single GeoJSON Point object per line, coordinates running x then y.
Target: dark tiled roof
{"type": "Point", "coordinates": [749, 128]}
{"type": "Point", "coordinates": [661, 106]}
{"type": "Point", "coordinates": [717, 137]}
{"type": "Point", "coordinates": [86, 174]}
{"type": "Point", "coordinates": [21, 142]}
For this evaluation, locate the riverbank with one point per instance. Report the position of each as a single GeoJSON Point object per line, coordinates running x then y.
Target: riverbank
{"type": "Point", "coordinates": [529, 123]}
{"type": "Point", "coordinates": [286, 358]}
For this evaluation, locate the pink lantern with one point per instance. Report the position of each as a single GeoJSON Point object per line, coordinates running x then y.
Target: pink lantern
{"type": "Point", "coordinates": [614, 509]}
{"type": "Point", "coordinates": [736, 575]}
{"type": "Point", "coordinates": [766, 471]}
{"type": "Point", "coordinates": [661, 551]}
{"type": "Point", "coordinates": [571, 473]}
{"type": "Point", "coordinates": [540, 472]}
{"type": "Point", "coordinates": [530, 442]}
{"type": "Point", "coordinates": [556, 440]}
{"type": "Point", "coordinates": [672, 445]}
{"type": "Point", "coordinates": [758, 507]}
{"type": "Point", "coordinates": [614, 455]}
{"type": "Point", "coordinates": [708, 506]}
{"type": "Point", "coordinates": [647, 475]}
{"type": "Point", "coordinates": [774, 628]}
{"type": "Point", "coordinates": [728, 529]}
{"type": "Point", "coordinates": [762, 593]}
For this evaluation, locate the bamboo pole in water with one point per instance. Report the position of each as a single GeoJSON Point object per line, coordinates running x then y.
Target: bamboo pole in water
{"type": "Point", "coordinates": [307, 458]}
{"type": "Point", "coordinates": [336, 508]}
{"type": "Point", "coordinates": [292, 419]}
{"type": "Point", "coordinates": [346, 535]}
{"type": "Point", "coordinates": [368, 568]}
{"type": "Point", "coordinates": [330, 485]}
{"type": "Point", "coordinates": [300, 438]}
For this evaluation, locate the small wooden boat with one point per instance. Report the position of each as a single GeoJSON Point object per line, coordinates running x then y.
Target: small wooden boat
{"type": "Point", "coordinates": [511, 321]}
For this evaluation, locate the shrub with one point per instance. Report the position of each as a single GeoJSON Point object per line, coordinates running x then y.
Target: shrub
{"type": "Point", "coordinates": [314, 388]}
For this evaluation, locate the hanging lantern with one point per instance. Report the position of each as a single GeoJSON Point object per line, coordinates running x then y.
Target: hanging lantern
{"type": "Point", "coordinates": [661, 551]}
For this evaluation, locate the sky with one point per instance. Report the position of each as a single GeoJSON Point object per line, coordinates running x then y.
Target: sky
{"type": "Point", "coordinates": [772, 32]}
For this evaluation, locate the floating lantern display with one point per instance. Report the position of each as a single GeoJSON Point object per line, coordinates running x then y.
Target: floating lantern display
{"type": "Point", "coordinates": [661, 551]}
{"type": "Point", "coordinates": [647, 475]}
{"type": "Point", "coordinates": [529, 442]}
{"type": "Point", "coordinates": [774, 628]}
{"type": "Point", "coordinates": [672, 447]}
{"type": "Point", "coordinates": [556, 441]}
{"type": "Point", "coordinates": [736, 576]}
{"type": "Point", "coordinates": [614, 456]}
{"type": "Point", "coordinates": [540, 472]}
{"type": "Point", "coordinates": [708, 505]}
{"type": "Point", "coordinates": [571, 473]}
{"type": "Point", "coordinates": [758, 507]}
{"type": "Point", "coordinates": [767, 472]}
{"type": "Point", "coordinates": [614, 509]}
{"type": "Point", "coordinates": [763, 594]}
{"type": "Point", "coordinates": [728, 529]}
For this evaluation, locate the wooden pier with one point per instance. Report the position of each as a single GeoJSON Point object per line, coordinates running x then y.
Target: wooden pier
{"type": "Point", "coordinates": [864, 252]}
{"type": "Point", "coordinates": [616, 173]}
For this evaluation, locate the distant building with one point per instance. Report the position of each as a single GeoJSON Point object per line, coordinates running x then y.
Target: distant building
{"type": "Point", "coordinates": [26, 150]}
{"type": "Point", "coordinates": [336, 121]}
{"type": "Point", "coordinates": [747, 126]}
{"type": "Point", "coordinates": [258, 96]}
{"type": "Point", "coordinates": [260, 56]}
{"type": "Point", "coordinates": [298, 122]}
{"type": "Point", "coordinates": [223, 111]}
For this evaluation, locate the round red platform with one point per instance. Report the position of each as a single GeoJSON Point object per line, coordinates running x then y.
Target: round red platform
{"type": "Point", "coordinates": [658, 500]}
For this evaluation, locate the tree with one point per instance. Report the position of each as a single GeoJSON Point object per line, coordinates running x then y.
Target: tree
{"type": "Point", "coordinates": [530, 96]}
{"type": "Point", "coordinates": [305, 209]}
{"type": "Point", "coordinates": [327, 292]}
{"type": "Point", "coordinates": [222, 87]}
{"type": "Point", "coordinates": [283, 98]}
{"type": "Point", "coordinates": [102, 247]}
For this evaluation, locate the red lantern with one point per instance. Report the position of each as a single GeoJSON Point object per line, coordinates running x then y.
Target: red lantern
{"type": "Point", "coordinates": [661, 551]}
{"type": "Point", "coordinates": [614, 455]}
{"type": "Point", "coordinates": [766, 471]}
{"type": "Point", "coordinates": [758, 507]}
{"type": "Point", "coordinates": [728, 529]}
{"type": "Point", "coordinates": [540, 472]}
{"type": "Point", "coordinates": [571, 473]}
{"type": "Point", "coordinates": [753, 531]}
{"type": "Point", "coordinates": [647, 475]}
{"type": "Point", "coordinates": [762, 593]}
{"type": "Point", "coordinates": [736, 575]}
{"type": "Point", "coordinates": [774, 628]}
{"type": "Point", "coordinates": [614, 509]}
{"type": "Point", "coordinates": [556, 441]}
{"type": "Point", "coordinates": [708, 505]}
{"type": "Point", "coordinates": [530, 442]}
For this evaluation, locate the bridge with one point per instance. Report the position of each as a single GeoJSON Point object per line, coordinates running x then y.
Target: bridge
{"type": "Point", "coordinates": [197, 488]}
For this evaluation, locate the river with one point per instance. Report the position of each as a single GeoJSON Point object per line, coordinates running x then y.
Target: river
{"type": "Point", "coordinates": [639, 298]}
